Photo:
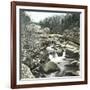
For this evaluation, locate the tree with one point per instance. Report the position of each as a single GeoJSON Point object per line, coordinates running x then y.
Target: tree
{"type": "Point", "coordinates": [24, 21]}
{"type": "Point", "coordinates": [58, 24]}
{"type": "Point", "coordinates": [53, 23]}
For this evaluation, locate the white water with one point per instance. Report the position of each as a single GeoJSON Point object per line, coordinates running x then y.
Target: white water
{"type": "Point", "coordinates": [59, 60]}
{"type": "Point", "coordinates": [55, 58]}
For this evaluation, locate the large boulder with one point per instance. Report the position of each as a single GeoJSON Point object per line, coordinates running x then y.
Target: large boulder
{"type": "Point", "coordinates": [74, 65]}
{"type": "Point", "coordinates": [71, 54]}
{"type": "Point", "coordinates": [26, 72]}
{"type": "Point", "coordinates": [50, 67]}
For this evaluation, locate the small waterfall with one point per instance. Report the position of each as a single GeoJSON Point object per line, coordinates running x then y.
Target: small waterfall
{"type": "Point", "coordinates": [64, 53]}
{"type": "Point", "coordinates": [55, 58]}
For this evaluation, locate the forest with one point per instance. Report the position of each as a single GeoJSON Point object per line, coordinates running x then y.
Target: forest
{"type": "Point", "coordinates": [51, 47]}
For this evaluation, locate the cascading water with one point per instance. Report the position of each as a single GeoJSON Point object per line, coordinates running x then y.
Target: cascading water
{"type": "Point", "coordinates": [53, 56]}
{"type": "Point", "coordinates": [59, 60]}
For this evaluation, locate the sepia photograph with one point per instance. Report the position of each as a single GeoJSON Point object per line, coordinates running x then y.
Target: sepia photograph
{"type": "Point", "coordinates": [49, 44]}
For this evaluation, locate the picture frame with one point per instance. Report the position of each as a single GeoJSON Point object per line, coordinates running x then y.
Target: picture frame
{"type": "Point", "coordinates": [36, 64]}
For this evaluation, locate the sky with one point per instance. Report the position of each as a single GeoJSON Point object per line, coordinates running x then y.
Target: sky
{"type": "Point", "coordinates": [37, 16]}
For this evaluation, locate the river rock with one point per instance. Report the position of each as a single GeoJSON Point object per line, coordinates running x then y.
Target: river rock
{"type": "Point", "coordinates": [70, 73]}
{"type": "Point", "coordinates": [50, 67]}
{"type": "Point", "coordinates": [28, 61]}
{"type": "Point", "coordinates": [71, 54]}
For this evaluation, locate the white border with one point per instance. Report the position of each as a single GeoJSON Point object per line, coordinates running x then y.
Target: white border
{"type": "Point", "coordinates": [61, 79]}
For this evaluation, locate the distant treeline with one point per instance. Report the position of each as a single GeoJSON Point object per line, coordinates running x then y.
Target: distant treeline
{"type": "Point", "coordinates": [58, 24]}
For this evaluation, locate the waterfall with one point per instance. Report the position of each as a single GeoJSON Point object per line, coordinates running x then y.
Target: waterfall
{"type": "Point", "coordinates": [56, 59]}
{"type": "Point", "coordinates": [64, 53]}
{"type": "Point", "coordinates": [53, 56]}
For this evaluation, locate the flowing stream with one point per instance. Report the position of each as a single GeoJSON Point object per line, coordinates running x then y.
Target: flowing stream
{"type": "Point", "coordinates": [61, 61]}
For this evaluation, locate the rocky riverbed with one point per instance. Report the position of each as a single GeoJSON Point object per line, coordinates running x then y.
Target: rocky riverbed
{"type": "Point", "coordinates": [48, 55]}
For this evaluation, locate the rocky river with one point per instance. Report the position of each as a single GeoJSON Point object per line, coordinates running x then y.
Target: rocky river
{"type": "Point", "coordinates": [48, 55]}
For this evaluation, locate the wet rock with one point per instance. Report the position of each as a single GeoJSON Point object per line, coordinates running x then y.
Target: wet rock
{"type": "Point", "coordinates": [50, 67]}
{"type": "Point", "coordinates": [59, 52]}
{"type": "Point", "coordinates": [72, 68]}
{"type": "Point", "coordinates": [71, 54]}
{"type": "Point", "coordinates": [27, 61]}
{"type": "Point", "coordinates": [38, 71]}
{"type": "Point", "coordinates": [70, 74]}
